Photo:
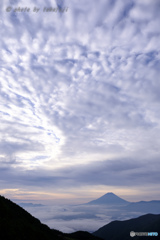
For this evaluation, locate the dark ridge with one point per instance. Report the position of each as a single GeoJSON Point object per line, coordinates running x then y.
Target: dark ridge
{"type": "Point", "coordinates": [17, 224]}
{"type": "Point", "coordinates": [118, 230]}
{"type": "Point", "coordinates": [82, 235]}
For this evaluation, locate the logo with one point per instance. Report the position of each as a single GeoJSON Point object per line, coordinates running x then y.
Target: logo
{"type": "Point", "coordinates": [133, 234]}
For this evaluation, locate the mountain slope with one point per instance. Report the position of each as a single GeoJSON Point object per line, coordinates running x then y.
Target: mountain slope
{"type": "Point", "coordinates": [109, 199]}
{"type": "Point", "coordinates": [121, 229]}
{"type": "Point", "coordinates": [82, 235]}
{"type": "Point", "coordinates": [17, 224]}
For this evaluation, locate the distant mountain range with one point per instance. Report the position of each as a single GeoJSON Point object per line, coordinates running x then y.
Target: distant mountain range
{"type": "Point", "coordinates": [109, 199]}
{"type": "Point", "coordinates": [144, 207]}
{"type": "Point", "coordinates": [23, 205]}
{"type": "Point", "coordinates": [120, 230]}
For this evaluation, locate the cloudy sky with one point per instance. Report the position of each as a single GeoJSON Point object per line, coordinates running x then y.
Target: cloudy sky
{"type": "Point", "coordinates": [79, 99]}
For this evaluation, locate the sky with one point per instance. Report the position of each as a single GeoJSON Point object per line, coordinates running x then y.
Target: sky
{"type": "Point", "coordinates": [79, 100]}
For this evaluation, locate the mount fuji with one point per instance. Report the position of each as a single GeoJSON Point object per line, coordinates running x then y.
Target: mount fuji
{"type": "Point", "coordinates": [109, 199]}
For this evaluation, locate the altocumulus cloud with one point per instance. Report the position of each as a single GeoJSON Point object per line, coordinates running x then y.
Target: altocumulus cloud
{"type": "Point", "coordinates": [81, 88]}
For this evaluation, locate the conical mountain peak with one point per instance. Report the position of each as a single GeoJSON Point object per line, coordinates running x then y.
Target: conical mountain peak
{"type": "Point", "coordinates": [109, 199]}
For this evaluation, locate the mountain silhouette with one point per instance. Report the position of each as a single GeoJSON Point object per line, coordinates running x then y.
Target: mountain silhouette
{"type": "Point", "coordinates": [17, 224]}
{"type": "Point", "coordinates": [83, 235]}
{"type": "Point", "coordinates": [120, 230]}
{"type": "Point", "coordinates": [109, 199]}
{"type": "Point", "coordinates": [143, 207]}
{"type": "Point", "coordinates": [120, 204]}
{"type": "Point", "coordinates": [23, 205]}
